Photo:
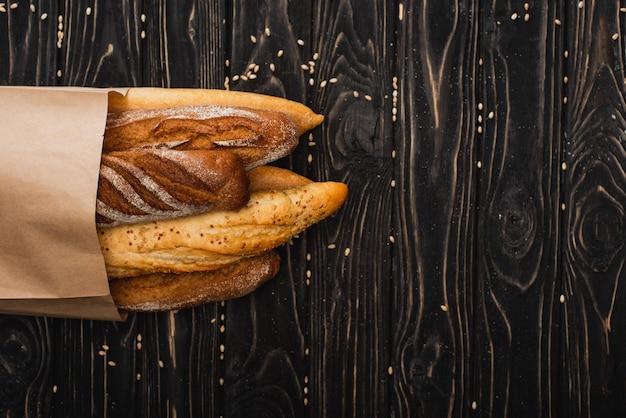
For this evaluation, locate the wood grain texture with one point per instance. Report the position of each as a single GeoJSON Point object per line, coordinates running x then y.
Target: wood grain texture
{"type": "Point", "coordinates": [432, 300]}
{"type": "Point", "coordinates": [593, 330]}
{"type": "Point", "coordinates": [474, 270]}
{"type": "Point", "coordinates": [518, 128]}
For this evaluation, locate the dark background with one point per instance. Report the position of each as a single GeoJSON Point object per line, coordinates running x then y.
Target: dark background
{"type": "Point", "coordinates": [475, 269]}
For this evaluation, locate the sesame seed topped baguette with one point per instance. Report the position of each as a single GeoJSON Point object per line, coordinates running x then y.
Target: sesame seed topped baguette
{"type": "Point", "coordinates": [211, 240]}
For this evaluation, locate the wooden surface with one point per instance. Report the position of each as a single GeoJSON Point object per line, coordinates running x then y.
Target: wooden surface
{"type": "Point", "coordinates": [474, 270]}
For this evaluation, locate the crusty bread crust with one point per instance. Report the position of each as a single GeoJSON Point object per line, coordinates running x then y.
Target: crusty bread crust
{"type": "Point", "coordinates": [161, 292]}
{"type": "Point", "coordinates": [211, 240]}
{"type": "Point", "coordinates": [153, 97]}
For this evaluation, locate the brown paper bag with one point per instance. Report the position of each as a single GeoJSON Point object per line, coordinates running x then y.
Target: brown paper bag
{"type": "Point", "coordinates": [50, 259]}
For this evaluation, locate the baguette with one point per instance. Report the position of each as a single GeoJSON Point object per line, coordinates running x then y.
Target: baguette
{"type": "Point", "coordinates": [211, 240]}
{"type": "Point", "coordinates": [188, 210]}
{"type": "Point", "coordinates": [161, 291]}
{"type": "Point", "coordinates": [156, 98]}
{"type": "Point", "coordinates": [143, 185]}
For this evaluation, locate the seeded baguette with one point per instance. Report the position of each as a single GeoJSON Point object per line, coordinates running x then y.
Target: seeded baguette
{"type": "Point", "coordinates": [211, 240]}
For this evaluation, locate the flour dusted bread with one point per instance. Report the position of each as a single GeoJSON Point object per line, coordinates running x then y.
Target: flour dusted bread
{"type": "Point", "coordinates": [188, 211]}
{"type": "Point", "coordinates": [213, 239]}
{"type": "Point", "coordinates": [163, 291]}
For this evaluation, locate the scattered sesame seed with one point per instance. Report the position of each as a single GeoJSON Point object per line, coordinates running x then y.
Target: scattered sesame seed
{"type": "Point", "coordinates": [389, 370]}
{"type": "Point", "coordinates": [393, 153]}
{"type": "Point", "coordinates": [355, 93]}
{"type": "Point", "coordinates": [221, 381]}
{"type": "Point", "coordinates": [333, 80]}
{"type": "Point", "coordinates": [563, 166]}
{"type": "Point", "coordinates": [13, 5]}
{"type": "Point", "coordinates": [111, 363]}
{"type": "Point", "coordinates": [161, 364]}
{"type": "Point", "coordinates": [491, 115]}
{"type": "Point", "coordinates": [138, 376]}
{"type": "Point", "coordinates": [400, 11]}
{"type": "Point", "coordinates": [222, 348]}
{"type": "Point", "coordinates": [280, 53]}
{"type": "Point", "coordinates": [139, 346]}
{"type": "Point", "coordinates": [479, 164]}
{"type": "Point", "coordinates": [368, 97]}
{"type": "Point", "coordinates": [563, 207]}
{"type": "Point", "coordinates": [615, 36]}
{"type": "Point", "coordinates": [474, 405]}
{"type": "Point", "coordinates": [309, 158]}
{"type": "Point", "coordinates": [514, 16]}
{"type": "Point", "coordinates": [480, 106]}
{"type": "Point", "coordinates": [565, 100]}
{"type": "Point", "coordinates": [316, 56]}
{"type": "Point", "coordinates": [565, 80]}
{"type": "Point", "coordinates": [308, 274]}
{"type": "Point", "coordinates": [580, 4]}
{"type": "Point", "coordinates": [557, 22]}
{"type": "Point", "coordinates": [480, 61]}
{"type": "Point", "coordinates": [143, 34]}
{"type": "Point", "coordinates": [480, 118]}
{"type": "Point", "coordinates": [306, 353]}
{"type": "Point", "coordinates": [235, 77]}
{"type": "Point", "coordinates": [526, 17]}
{"type": "Point", "coordinates": [347, 252]}
{"type": "Point", "coordinates": [311, 82]}
{"type": "Point", "coordinates": [332, 246]}
{"type": "Point", "coordinates": [222, 329]}
{"type": "Point", "coordinates": [622, 9]}
{"type": "Point", "coordinates": [526, 6]}
{"type": "Point", "coordinates": [304, 67]}
{"type": "Point", "coordinates": [300, 42]}
{"type": "Point", "coordinates": [102, 353]}
{"type": "Point", "coordinates": [392, 239]}
{"type": "Point", "coordinates": [323, 83]}
{"type": "Point", "coordinates": [566, 53]}
{"type": "Point", "coordinates": [393, 183]}
{"type": "Point", "coordinates": [272, 67]}
{"type": "Point", "coordinates": [253, 39]}
{"type": "Point", "coordinates": [32, 7]}
{"type": "Point", "coordinates": [267, 32]}
{"type": "Point", "coordinates": [562, 298]}
{"type": "Point", "coordinates": [105, 347]}
{"type": "Point", "coordinates": [480, 129]}
{"type": "Point", "coordinates": [306, 401]}
{"type": "Point", "coordinates": [54, 389]}
{"type": "Point", "coordinates": [143, 17]}
{"type": "Point", "coordinates": [59, 73]}
{"type": "Point", "coordinates": [444, 308]}
{"type": "Point", "coordinates": [88, 11]}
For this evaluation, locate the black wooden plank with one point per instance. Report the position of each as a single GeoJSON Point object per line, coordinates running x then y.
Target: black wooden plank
{"type": "Point", "coordinates": [517, 295]}
{"type": "Point", "coordinates": [28, 43]}
{"type": "Point", "coordinates": [594, 202]}
{"type": "Point", "coordinates": [435, 186]}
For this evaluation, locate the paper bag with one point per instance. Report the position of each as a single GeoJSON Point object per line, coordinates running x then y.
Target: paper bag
{"type": "Point", "coordinates": [50, 258]}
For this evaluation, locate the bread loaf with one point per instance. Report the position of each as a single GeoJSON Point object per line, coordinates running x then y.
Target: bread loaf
{"type": "Point", "coordinates": [256, 136]}
{"type": "Point", "coordinates": [211, 240]}
{"type": "Point", "coordinates": [162, 291]}
{"type": "Point", "coordinates": [188, 211]}
{"type": "Point", "coordinates": [149, 184]}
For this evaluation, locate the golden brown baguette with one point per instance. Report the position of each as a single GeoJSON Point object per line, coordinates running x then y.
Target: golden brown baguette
{"type": "Point", "coordinates": [212, 240]}
{"type": "Point", "coordinates": [153, 97]}
{"type": "Point", "coordinates": [149, 184]}
{"type": "Point", "coordinates": [162, 291]}
{"type": "Point", "coordinates": [256, 136]}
